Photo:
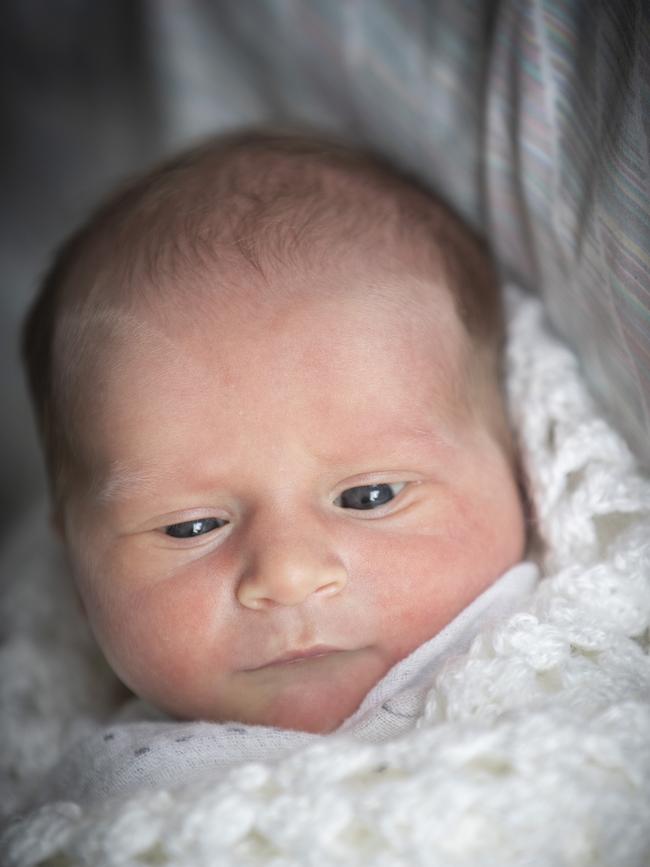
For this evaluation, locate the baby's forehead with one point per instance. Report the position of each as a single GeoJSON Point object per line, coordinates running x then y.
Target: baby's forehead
{"type": "Point", "coordinates": [312, 357]}
{"type": "Point", "coordinates": [372, 292]}
{"type": "Point", "coordinates": [162, 287]}
{"type": "Point", "coordinates": [173, 259]}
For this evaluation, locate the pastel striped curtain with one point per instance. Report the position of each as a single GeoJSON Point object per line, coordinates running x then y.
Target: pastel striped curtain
{"type": "Point", "coordinates": [567, 156]}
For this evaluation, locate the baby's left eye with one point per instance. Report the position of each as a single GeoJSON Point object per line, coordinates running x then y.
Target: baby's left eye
{"type": "Point", "coordinates": [368, 496]}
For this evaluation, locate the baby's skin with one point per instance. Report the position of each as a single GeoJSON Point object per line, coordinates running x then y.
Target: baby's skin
{"type": "Point", "coordinates": [293, 488]}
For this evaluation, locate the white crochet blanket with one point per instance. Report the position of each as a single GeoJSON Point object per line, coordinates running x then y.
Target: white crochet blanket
{"type": "Point", "coordinates": [532, 748]}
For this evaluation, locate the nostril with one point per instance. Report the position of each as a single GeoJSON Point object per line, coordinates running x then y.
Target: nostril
{"type": "Point", "coordinates": [263, 603]}
{"type": "Point", "coordinates": [289, 584]}
{"type": "Point", "coordinates": [255, 603]}
{"type": "Point", "coordinates": [329, 589]}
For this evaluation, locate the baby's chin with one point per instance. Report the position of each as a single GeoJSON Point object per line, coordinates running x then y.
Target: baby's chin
{"type": "Point", "coordinates": [312, 695]}
{"type": "Point", "coordinates": [316, 695]}
{"type": "Point", "coordinates": [318, 715]}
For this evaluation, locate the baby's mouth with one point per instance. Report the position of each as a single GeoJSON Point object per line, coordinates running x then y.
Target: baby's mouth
{"type": "Point", "coordinates": [293, 656]}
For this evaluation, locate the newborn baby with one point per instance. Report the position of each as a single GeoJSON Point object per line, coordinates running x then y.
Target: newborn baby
{"type": "Point", "coordinates": [266, 377]}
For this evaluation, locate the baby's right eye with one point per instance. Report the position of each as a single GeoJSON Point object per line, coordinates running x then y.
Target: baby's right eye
{"type": "Point", "coordinates": [190, 529]}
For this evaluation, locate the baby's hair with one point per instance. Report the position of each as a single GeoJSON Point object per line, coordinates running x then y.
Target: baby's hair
{"type": "Point", "coordinates": [267, 198]}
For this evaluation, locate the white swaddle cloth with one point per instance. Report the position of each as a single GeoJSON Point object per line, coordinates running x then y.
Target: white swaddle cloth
{"type": "Point", "coordinates": [150, 751]}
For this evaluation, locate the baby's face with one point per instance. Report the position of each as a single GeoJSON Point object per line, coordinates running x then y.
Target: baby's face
{"type": "Point", "coordinates": [292, 497]}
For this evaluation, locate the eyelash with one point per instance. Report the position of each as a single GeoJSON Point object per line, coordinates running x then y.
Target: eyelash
{"type": "Point", "coordinates": [221, 522]}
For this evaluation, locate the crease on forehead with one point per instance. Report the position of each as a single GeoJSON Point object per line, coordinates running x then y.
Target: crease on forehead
{"type": "Point", "coordinates": [85, 356]}
{"type": "Point", "coordinates": [83, 331]}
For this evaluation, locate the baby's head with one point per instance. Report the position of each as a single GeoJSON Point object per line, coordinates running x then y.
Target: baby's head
{"type": "Point", "coordinates": [267, 382]}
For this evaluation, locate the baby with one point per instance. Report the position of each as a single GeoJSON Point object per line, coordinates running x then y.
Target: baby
{"type": "Point", "coordinates": [266, 377]}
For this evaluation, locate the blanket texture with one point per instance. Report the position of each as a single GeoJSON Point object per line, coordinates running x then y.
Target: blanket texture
{"type": "Point", "coordinates": [530, 748]}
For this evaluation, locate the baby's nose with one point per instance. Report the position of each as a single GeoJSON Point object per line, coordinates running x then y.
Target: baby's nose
{"type": "Point", "coordinates": [288, 572]}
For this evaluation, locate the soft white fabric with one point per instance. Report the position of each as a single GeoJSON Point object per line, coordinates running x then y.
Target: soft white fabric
{"type": "Point", "coordinates": [149, 752]}
{"type": "Point", "coordinates": [531, 748]}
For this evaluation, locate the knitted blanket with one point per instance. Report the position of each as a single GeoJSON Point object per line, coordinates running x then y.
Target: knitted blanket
{"type": "Point", "coordinates": [529, 748]}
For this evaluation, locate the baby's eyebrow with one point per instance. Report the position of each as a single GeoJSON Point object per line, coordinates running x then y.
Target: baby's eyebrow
{"type": "Point", "coordinates": [121, 482]}
{"type": "Point", "coordinates": [393, 437]}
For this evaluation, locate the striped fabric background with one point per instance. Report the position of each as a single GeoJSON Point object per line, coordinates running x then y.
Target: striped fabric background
{"type": "Point", "coordinates": [568, 171]}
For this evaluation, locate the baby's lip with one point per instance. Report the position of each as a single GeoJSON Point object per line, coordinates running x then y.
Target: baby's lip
{"type": "Point", "coordinates": [296, 655]}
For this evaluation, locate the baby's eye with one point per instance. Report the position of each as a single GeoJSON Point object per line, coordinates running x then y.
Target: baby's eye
{"type": "Point", "coordinates": [368, 496]}
{"type": "Point", "coordinates": [189, 529]}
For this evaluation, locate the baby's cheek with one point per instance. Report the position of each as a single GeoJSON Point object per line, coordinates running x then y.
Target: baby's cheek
{"type": "Point", "coordinates": [408, 583]}
{"type": "Point", "coordinates": [499, 541]}
{"type": "Point", "coordinates": [418, 582]}
{"type": "Point", "coordinates": [159, 638]}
